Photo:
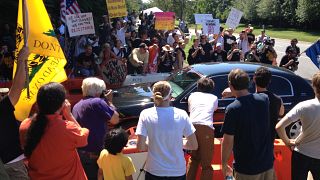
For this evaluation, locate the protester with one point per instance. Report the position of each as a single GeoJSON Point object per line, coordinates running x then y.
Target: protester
{"type": "Point", "coordinates": [252, 55]}
{"type": "Point", "coordinates": [6, 63]}
{"type": "Point", "coordinates": [243, 43]}
{"type": "Point", "coordinates": [268, 54]}
{"type": "Point", "coordinates": [246, 132]}
{"type": "Point", "coordinates": [293, 46]}
{"type": "Point", "coordinates": [119, 50]}
{"type": "Point", "coordinates": [105, 31]}
{"type": "Point", "coordinates": [94, 111]}
{"type": "Point", "coordinates": [81, 42]}
{"type": "Point", "coordinates": [196, 53]}
{"type": "Point", "coordinates": [50, 138]}
{"type": "Point", "coordinates": [235, 54]}
{"type": "Point", "coordinates": [228, 39]}
{"type": "Point", "coordinates": [166, 59]}
{"type": "Point", "coordinates": [305, 155]}
{"type": "Point", "coordinates": [86, 65]}
{"type": "Point", "coordinates": [180, 55]}
{"type": "Point", "coordinates": [11, 153]}
{"type": "Point", "coordinates": [113, 165]}
{"type": "Point", "coordinates": [219, 55]}
{"type": "Point", "coordinates": [219, 39]}
{"type": "Point", "coordinates": [121, 33]}
{"type": "Point", "coordinates": [106, 55]}
{"type": "Point", "coordinates": [250, 35]}
{"type": "Point", "coordinates": [207, 48]}
{"type": "Point", "coordinates": [164, 126]}
{"type": "Point", "coordinates": [202, 105]}
{"type": "Point", "coordinates": [262, 37]}
{"type": "Point", "coordinates": [289, 61]}
{"type": "Point", "coordinates": [153, 56]}
{"type": "Point", "coordinates": [262, 78]}
{"type": "Point", "coordinates": [138, 60]}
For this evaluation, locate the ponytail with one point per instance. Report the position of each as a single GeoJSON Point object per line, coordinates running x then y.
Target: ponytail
{"type": "Point", "coordinates": [35, 133]}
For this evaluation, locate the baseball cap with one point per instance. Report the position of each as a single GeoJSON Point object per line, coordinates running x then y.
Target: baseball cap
{"type": "Point", "coordinates": [219, 45]}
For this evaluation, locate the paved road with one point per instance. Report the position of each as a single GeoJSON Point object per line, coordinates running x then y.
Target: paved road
{"type": "Point", "coordinates": [306, 67]}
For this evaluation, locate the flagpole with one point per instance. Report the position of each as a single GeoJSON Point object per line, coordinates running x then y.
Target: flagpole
{"type": "Point", "coordinates": [25, 40]}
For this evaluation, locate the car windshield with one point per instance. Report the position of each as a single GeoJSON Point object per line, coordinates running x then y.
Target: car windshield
{"type": "Point", "coordinates": [182, 80]}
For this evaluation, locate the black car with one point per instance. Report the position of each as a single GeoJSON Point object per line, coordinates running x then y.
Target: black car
{"type": "Point", "coordinates": [131, 100]}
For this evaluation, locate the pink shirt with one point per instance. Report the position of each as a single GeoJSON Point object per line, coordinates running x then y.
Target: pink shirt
{"type": "Point", "coordinates": [56, 157]}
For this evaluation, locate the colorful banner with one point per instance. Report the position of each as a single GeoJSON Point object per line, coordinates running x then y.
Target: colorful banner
{"type": "Point", "coordinates": [202, 18]}
{"type": "Point", "coordinates": [164, 20]}
{"type": "Point", "coordinates": [42, 68]}
{"type": "Point", "coordinates": [116, 8]}
{"type": "Point", "coordinates": [211, 26]}
{"type": "Point", "coordinates": [234, 18]}
{"type": "Point", "coordinates": [80, 24]}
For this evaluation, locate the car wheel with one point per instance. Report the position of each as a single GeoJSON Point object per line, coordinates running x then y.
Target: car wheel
{"type": "Point", "coordinates": [294, 130]}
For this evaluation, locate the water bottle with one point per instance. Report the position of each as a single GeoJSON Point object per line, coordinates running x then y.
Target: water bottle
{"type": "Point", "coordinates": [229, 178]}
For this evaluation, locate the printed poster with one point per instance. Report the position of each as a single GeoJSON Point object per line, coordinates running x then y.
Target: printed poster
{"type": "Point", "coordinates": [164, 20]}
{"type": "Point", "coordinates": [80, 24]}
{"type": "Point", "coordinates": [116, 8]}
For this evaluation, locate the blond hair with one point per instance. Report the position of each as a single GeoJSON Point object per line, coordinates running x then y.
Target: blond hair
{"type": "Point", "coordinates": [161, 90]}
{"type": "Point", "coordinates": [92, 86]}
{"type": "Point", "coordinates": [316, 84]}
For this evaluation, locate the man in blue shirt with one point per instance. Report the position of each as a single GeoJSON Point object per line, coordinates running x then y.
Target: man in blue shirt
{"type": "Point", "coordinates": [247, 132]}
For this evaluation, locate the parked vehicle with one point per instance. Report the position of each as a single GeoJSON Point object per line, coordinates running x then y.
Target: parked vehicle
{"type": "Point", "coordinates": [131, 100]}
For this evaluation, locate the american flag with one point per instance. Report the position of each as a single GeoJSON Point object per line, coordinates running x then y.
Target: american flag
{"type": "Point", "coordinates": [68, 7]}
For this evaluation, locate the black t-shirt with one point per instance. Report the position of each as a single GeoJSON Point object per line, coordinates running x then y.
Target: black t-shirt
{"type": "Point", "coordinates": [206, 48]}
{"type": "Point", "coordinates": [228, 40]}
{"type": "Point", "coordinates": [247, 119]}
{"type": "Point", "coordinates": [219, 56]}
{"type": "Point", "coordinates": [86, 61]}
{"type": "Point", "coordinates": [166, 64]}
{"type": "Point", "coordinates": [9, 132]}
{"type": "Point", "coordinates": [274, 108]}
{"type": "Point", "coordinates": [235, 56]}
{"type": "Point", "coordinates": [197, 59]}
{"type": "Point", "coordinates": [251, 38]}
{"type": "Point", "coordinates": [296, 49]}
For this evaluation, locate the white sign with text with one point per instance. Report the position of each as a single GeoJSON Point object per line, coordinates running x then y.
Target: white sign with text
{"type": "Point", "coordinates": [80, 24]}
{"type": "Point", "coordinates": [234, 18]}
{"type": "Point", "coordinates": [211, 26]}
{"type": "Point", "coordinates": [202, 18]}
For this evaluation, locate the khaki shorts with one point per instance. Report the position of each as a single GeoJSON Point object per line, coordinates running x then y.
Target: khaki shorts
{"type": "Point", "coordinates": [266, 175]}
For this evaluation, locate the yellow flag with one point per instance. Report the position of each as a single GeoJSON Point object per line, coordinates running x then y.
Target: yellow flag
{"type": "Point", "coordinates": [46, 61]}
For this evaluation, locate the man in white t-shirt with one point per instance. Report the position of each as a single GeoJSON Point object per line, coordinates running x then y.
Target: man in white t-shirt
{"type": "Point", "coordinates": [202, 105]}
{"type": "Point", "coordinates": [121, 33]}
{"type": "Point", "coordinates": [164, 126]}
{"type": "Point", "coordinates": [305, 154]}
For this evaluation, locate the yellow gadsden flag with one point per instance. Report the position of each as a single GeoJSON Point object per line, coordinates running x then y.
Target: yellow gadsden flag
{"type": "Point", "coordinates": [46, 61]}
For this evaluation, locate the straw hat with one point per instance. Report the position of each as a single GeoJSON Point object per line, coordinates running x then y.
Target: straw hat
{"type": "Point", "coordinates": [167, 48]}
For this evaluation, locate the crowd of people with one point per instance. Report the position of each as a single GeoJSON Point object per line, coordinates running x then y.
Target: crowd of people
{"type": "Point", "coordinates": [133, 45]}
{"type": "Point", "coordinates": [60, 142]}
{"type": "Point", "coordinates": [63, 143]}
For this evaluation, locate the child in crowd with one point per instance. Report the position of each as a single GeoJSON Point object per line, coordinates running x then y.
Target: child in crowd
{"type": "Point", "coordinates": [113, 165]}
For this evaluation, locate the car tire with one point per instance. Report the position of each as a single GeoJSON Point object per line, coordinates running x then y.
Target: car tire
{"type": "Point", "coordinates": [294, 129]}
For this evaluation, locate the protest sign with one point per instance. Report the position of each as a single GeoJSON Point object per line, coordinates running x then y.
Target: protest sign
{"type": "Point", "coordinates": [116, 8]}
{"type": "Point", "coordinates": [80, 24]}
{"type": "Point", "coordinates": [211, 26]}
{"type": "Point", "coordinates": [234, 18]}
{"type": "Point", "coordinates": [202, 18]}
{"type": "Point", "coordinates": [164, 20]}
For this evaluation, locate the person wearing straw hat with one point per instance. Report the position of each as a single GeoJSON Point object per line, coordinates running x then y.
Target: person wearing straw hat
{"type": "Point", "coordinates": [11, 153]}
{"type": "Point", "coordinates": [167, 59]}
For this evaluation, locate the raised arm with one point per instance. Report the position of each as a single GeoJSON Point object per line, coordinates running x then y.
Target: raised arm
{"type": "Point", "coordinates": [20, 76]}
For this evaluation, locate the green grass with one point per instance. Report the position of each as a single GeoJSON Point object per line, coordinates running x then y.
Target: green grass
{"type": "Point", "coordinates": [285, 33]}
{"type": "Point", "coordinates": [282, 33]}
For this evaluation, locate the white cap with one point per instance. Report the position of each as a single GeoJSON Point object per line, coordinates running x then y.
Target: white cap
{"type": "Point", "coordinates": [4, 90]}
{"type": "Point", "coordinates": [219, 45]}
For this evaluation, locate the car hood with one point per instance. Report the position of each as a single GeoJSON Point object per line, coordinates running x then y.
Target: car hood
{"type": "Point", "coordinates": [134, 95]}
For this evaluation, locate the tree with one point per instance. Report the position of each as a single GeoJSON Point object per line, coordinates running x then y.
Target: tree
{"type": "Point", "coordinates": [308, 13]}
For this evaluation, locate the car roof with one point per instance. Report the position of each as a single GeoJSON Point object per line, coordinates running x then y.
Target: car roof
{"type": "Point", "coordinates": [209, 69]}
